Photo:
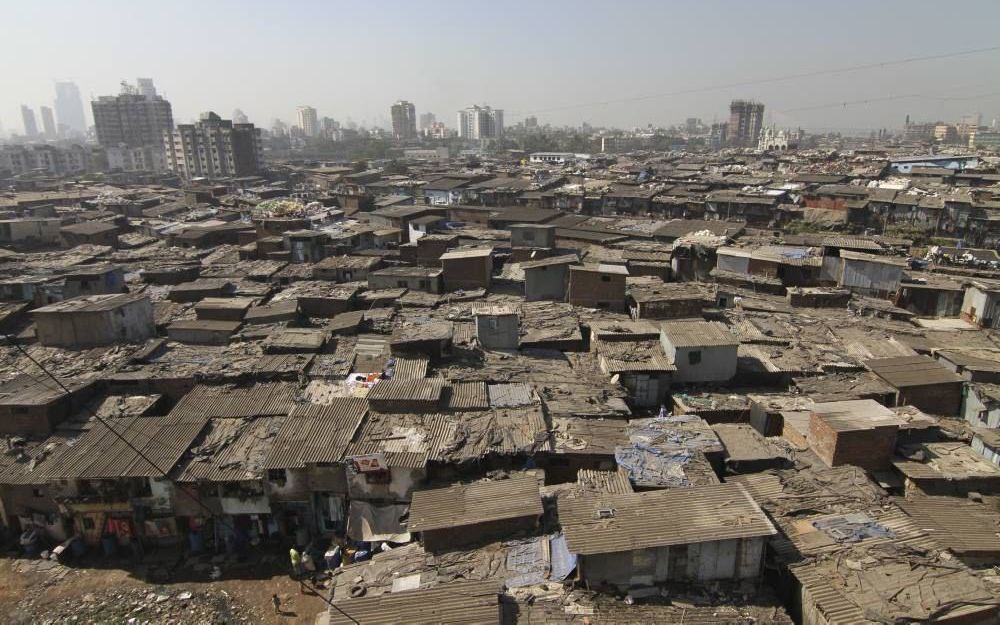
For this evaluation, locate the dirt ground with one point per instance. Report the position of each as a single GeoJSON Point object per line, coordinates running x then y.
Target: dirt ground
{"type": "Point", "coordinates": [39, 591]}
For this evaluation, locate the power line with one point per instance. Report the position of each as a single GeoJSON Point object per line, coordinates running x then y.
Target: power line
{"type": "Point", "coordinates": [889, 98]}
{"type": "Point", "coordinates": [163, 473]}
{"type": "Point", "coordinates": [762, 81]}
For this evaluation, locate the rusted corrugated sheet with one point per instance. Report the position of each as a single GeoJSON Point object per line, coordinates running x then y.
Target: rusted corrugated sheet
{"type": "Point", "coordinates": [100, 452]}
{"type": "Point", "coordinates": [510, 431]}
{"type": "Point", "coordinates": [612, 482]}
{"type": "Point", "coordinates": [410, 369]}
{"type": "Point", "coordinates": [626, 356]}
{"type": "Point", "coordinates": [962, 526]}
{"type": "Point", "coordinates": [468, 396]}
{"type": "Point", "coordinates": [316, 433]}
{"type": "Point", "coordinates": [465, 602]}
{"type": "Point", "coordinates": [407, 440]}
{"type": "Point", "coordinates": [479, 502]}
{"type": "Point", "coordinates": [231, 450]}
{"type": "Point", "coordinates": [511, 395]}
{"type": "Point", "coordinates": [259, 400]}
{"type": "Point", "coordinates": [676, 516]}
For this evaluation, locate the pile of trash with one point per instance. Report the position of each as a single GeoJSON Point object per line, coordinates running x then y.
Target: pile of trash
{"type": "Point", "coordinates": [136, 607]}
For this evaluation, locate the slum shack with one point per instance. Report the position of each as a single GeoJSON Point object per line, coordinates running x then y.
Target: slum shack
{"type": "Point", "coordinates": [861, 432]}
{"type": "Point", "coordinates": [702, 533]}
{"type": "Point", "coordinates": [946, 468]}
{"type": "Point", "coordinates": [747, 451]}
{"type": "Point", "coordinates": [701, 351]}
{"type": "Point", "coordinates": [223, 308]}
{"type": "Point", "coordinates": [598, 286]}
{"type": "Point", "coordinates": [497, 327]}
{"type": "Point", "coordinates": [670, 452]}
{"type": "Point", "coordinates": [546, 279]}
{"type": "Point", "coordinates": [660, 300]}
{"type": "Point", "coordinates": [202, 331]}
{"type": "Point", "coordinates": [467, 514]}
{"type": "Point", "coordinates": [467, 269]}
{"type": "Point", "coordinates": [467, 602]}
{"type": "Point", "coordinates": [922, 382]}
{"type": "Point", "coordinates": [94, 320]}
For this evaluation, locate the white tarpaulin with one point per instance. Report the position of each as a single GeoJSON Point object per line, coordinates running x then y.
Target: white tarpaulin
{"type": "Point", "coordinates": [377, 523]}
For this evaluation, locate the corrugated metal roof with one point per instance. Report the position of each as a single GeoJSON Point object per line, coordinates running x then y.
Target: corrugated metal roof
{"type": "Point", "coordinates": [422, 390]}
{"type": "Point", "coordinates": [855, 414]}
{"type": "Point", "coordinates": [763, 487]}
{"type": "Point", "coordinates": [612, 482]}
{"type": "Point", "coordinates": [745, 444]}
{"type": "Point", "coordinates": [906, 371]}
{"type": "Point", "coordinates": [468, 396]}
{"type": "Point", "coordinates": [510, 431]}
{"type": "Point", "coordinates": [407, 440]}
{"type": "Point", "coordinates": [259, 400]}
{"type": "Point", "coordinates": [456, 603]}
{"type": "Point", "coordinates": [747, 332]}
{"type": "Point", "coordinates": [676, 516]}
{"type": "Point", "coordinates": [470, 504]}
{"type": "Point", "coordinates": [948, 461]}
{"type": "Point", "coordinates": [91, 303]}
{"type": "Point", "coordinates": [231, 450]}
{"type": "Point", "coordinates": [573, 435]}
{"type": "Point", "coordinates": [95, 452]}
{"type": "Point", "coordinates": [567, 259]}
{"type": "Point", "coordinates": [410, 369]}
{"type": "Point", "coordinates": [315, 433]}
{"type": "Point", "coordinates": [470, 253]}
{"type": "Point", "coordinates": [464, 333]}
{"type": "Point", "coordinates": [894, 583]}
{"type": "Point", "coordinates": [511, 395]}
{"type": "Point", "coordinates": [697, 334]}
{"type": "Point", "coordinates": [625, 356]}
{"type": "Point", "coordinates": [963, 526]}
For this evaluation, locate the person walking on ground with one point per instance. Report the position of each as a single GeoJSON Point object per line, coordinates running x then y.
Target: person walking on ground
{"type": "Point", "coordinates": [276, 600]}
{"type": "Point", "coordinates": [296, 559]}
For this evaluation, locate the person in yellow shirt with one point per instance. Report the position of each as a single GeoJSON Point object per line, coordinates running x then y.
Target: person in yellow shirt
{"type": "Point", "coordinates": [296, 560]}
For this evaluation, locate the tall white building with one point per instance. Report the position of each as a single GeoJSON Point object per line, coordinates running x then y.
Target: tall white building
{"type": "Point", "coordinates": [480, 122]}
{"type": "Point", "coordinates": [308, 121]}
{"type": "Point", "coordinates": [69, 109]}
{"type": "Point", "coordinates": [48, 123]}
{"type": "Point", "coordinates": [30, 125]}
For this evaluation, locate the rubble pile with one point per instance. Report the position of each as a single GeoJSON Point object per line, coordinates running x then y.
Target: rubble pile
{"type": "Point", "coordinates": [161, 606]}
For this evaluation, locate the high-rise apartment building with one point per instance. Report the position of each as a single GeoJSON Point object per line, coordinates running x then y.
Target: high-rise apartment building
{"type": "Point", "coordinates": [213, 148]}
{"type": "Point", "coordinates": [69, 109]}
{"type": "Point", "coordinates": [308, 121]}
{"type": "Point", "coordinates": [427, 120]}
{"type": "Point", "coordinates": [30, 125]}
{"type": "Point", "coordinates": [480, 122]}
{"type": "Point", "coordinates": [404, 120]}
{"type": "Point", "coordinates": [746, 118]}
{"type": "Point", "coordinates": [131, 119]}
{"type": "Point", "coordinates": [48, 123]}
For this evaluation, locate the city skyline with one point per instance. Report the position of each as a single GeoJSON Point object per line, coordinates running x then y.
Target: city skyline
{"type": "Point", "coordinates": [559, 76]}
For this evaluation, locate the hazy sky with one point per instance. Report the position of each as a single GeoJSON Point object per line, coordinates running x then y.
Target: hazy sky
{"type": "Point", "coordinates": [558, 59]}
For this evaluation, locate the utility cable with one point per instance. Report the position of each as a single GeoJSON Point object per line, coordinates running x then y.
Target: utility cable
{"type": "Point", "coordinates": [163, 473]}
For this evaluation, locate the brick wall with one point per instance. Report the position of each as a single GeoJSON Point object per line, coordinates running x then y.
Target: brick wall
{"type": "Point", "coordinates": [590, 290]}
{"type": "Point", "coordinates": [869, 448]}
